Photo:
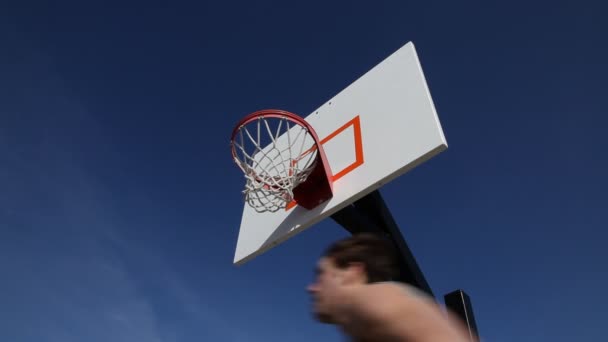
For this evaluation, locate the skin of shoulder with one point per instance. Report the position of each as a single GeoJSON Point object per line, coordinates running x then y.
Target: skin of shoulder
{"type": "Point", "coordinates": [388, 312]}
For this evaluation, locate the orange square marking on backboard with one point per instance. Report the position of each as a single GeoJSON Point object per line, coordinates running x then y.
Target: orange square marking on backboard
{"type": "Point", "coordinates": [358, 145]}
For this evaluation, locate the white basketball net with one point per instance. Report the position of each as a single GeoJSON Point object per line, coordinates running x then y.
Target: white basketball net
{"type": "Point", "coordinates": [275, 157]}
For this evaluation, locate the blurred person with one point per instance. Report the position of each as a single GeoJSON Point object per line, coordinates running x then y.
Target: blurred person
{"type": "Point", "coordinates": [355, 290]}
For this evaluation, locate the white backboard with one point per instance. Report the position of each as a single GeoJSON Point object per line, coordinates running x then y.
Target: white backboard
{"type": "Point", "coordinates": [376, 129]}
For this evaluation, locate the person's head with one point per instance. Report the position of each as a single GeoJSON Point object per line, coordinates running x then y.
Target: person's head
{"type": "Point", "coordinates": [360, 259]}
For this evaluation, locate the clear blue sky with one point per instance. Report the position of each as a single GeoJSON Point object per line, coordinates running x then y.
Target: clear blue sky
{"type": "Point", "coordinates": [120, 205]}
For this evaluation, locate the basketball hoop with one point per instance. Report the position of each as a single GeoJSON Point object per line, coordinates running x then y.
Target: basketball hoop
{"type": "Point", "coordinates": [282, 161]}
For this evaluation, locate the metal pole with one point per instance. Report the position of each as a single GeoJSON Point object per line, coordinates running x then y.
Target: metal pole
{"type": "Point", "coordinates": [459, 303]}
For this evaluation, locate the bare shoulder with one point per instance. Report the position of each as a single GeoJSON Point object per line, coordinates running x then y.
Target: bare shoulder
{"type": "Point", "coordinates": [380, 303]}
{"type": "Point", "coordinates": [398, 311]}
{"type": "Point", "coordinates": [390, 295]}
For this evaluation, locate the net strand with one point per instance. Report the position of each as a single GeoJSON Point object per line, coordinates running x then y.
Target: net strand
{"type": "Point", "coordinates": [282, 163]}
{"type": "Point", "coordinates": [273, 172]}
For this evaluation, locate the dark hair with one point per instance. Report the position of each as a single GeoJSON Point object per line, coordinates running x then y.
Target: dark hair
{"type": "Point", "coordinates": [376, 253]}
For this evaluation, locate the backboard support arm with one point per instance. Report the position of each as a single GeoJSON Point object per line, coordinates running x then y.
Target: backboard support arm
{"type": "Point", "coordinates": [370, 214]}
